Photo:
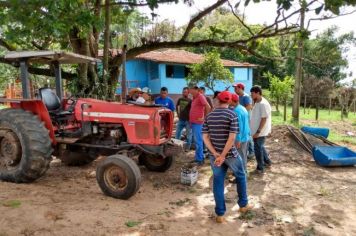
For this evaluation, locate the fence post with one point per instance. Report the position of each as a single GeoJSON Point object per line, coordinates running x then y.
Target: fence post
{"type": "Point", "coordinates": [317, 109]}
{"type": "Point", "coordinates": [329, 106]}
{"type": "Point", "coordinates": [285, 110]}
{"type": "Point", "coordinates": [305, 102]}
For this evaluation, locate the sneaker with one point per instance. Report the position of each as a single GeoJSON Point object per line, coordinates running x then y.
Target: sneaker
{"type": "Point", "coordinates": [220, 219]}
{"type": "Point", "coordinates": [246, 208]}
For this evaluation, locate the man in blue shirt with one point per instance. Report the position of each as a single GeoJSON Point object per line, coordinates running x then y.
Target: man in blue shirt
{"type": "Point", "coordinates": [243, 136]}
{"type": "Point", "coordinates": [246, 101]}
{"type": "Point", "coordinates": [164, 100]}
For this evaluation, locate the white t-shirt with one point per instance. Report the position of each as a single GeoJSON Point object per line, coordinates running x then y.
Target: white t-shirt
{"type": "Point", "coordinates": [261, 110]}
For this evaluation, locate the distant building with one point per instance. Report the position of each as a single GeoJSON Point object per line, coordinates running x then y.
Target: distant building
{"type": "Point", "coordinates": [168, 68]}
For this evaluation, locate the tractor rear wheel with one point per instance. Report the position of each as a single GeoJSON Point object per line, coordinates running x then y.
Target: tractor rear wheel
{"type": "Point", "coordinates": [25, 146]}
{"type": "Point", "coordinates": [118, 176]}
{"type": "Point", "coordinates": [156, 163]}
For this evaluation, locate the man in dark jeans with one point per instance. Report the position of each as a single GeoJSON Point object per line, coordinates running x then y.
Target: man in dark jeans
{"type": "Point", "coordinates": [246, 101]}
{"type": "Point", "coordinates": [183, 107]}
{"type": "Point", "coordinates": [261, 125]}
{"type": "Point", "coordinates": [219, 133]}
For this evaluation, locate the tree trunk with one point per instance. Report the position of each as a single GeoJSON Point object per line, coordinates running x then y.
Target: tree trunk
{"type": "Point", "coordinates": [105, 77]}
{"type": "Point", "coordinates": [285, 110]}
{"type": "Point", "coordinates": [298, 65]}
{"type": "Point", "coordinates": [123, 82]}
{"type": "Point", "coordinates": [329, 106]}
{"type": "Point", "coordinates": [277, 103]}
{"type": "Point", "coordinates": [80, 46]}
{"type": "Point", "coordinates": [305, 102]}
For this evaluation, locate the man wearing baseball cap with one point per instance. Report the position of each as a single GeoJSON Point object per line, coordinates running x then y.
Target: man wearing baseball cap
{"type": "Point", "coordinates": [219, 134]}
{"type": "Point", "coordinates": [246, 101]}
{"type": "Point", "coordinates": [243, 136]}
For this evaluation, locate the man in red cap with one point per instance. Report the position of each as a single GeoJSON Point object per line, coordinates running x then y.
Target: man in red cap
{"type": "Point", "coordinates": [243, 136]}
{"type": "Point", "coordinates": [246, 101]}
{"type": "Point", "coordinates": [219, 134]}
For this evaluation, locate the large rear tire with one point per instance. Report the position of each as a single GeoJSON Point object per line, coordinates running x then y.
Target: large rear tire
{"type": "Point", "coordinates": [118, 176]}
{"type": "Point", "coordinates": [156, 163]}
{"type": "Point", "coordinates": [25, 146]}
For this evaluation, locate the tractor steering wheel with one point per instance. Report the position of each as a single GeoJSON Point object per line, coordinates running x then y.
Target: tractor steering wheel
{"type": "Point", "coordinates": [71, 101]}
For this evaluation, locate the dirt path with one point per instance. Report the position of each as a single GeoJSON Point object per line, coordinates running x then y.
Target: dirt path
{"type": "Point", "coordinates": [294, 197]}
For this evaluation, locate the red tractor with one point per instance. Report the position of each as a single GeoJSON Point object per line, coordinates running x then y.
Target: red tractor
{"type": "Point", "coordinates": [78, 130]}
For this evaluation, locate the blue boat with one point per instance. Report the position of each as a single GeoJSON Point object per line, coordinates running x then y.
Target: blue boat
{"type": "Point", "coordinates": [324, 132]}
{"type": "Point", "coordinates": [334, 156]}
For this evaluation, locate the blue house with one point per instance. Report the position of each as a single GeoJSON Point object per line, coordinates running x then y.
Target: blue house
{"type": "Point", "coordinates": [168, 68]}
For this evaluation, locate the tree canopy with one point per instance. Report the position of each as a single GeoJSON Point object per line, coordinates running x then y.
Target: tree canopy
{"type": "Point", "coordinates": [210, 71]}
{"type": "Point", "coordinates": [79, 26]}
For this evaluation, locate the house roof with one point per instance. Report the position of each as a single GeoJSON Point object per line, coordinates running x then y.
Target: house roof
{"type": "Point", "coordinates": [175, 56]}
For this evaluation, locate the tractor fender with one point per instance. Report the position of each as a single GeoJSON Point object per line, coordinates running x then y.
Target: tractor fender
{"type": "Point", "coordinates": [38, 108]}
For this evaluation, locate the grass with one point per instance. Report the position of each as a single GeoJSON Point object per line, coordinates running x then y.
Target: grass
{"type": "Point", "coordinates": [334, 116]}
{"type": "Point", "coordinates": [131, 223]}
{"type": "Point", "coordinates": [11, 203]}
{"type": "Point", "coordinates": [247, 216]}
{"type": "Point", "coordinates": [277, 117]}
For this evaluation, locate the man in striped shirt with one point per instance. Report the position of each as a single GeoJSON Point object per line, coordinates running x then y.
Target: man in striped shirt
{"type": "Point", "coordinates": [219, 133]}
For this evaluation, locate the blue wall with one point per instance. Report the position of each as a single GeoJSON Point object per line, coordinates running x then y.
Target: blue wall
{"type": "Point", "coordinates": [136, 74]}
{"type": "Point", "coordinates": [153, 75]}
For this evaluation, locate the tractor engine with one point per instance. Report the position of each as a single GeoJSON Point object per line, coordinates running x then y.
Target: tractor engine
{"type": "Point", "coordinates": [107, 134]}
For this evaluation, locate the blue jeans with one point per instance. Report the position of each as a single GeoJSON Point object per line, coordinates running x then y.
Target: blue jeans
{"type": "Point", "coordinates": [180, 126]}
{"type": "Point", "coordinates": [261, 153]}
{"type": "Point", "coordinates": [251, 147]}
{"type": "Point", "coordinates": [219, 172]}
{"type": "Point", "coordinates": [243, 153]}
{"type": "Point", "coordinates": [198, 140]}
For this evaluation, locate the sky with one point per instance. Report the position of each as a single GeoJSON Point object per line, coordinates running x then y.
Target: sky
{"type": "Point", "coordinates": [263, 12]}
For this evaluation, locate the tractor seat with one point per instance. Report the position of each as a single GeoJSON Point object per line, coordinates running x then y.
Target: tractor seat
{"type": "Point", "coordinates": [52, 102]}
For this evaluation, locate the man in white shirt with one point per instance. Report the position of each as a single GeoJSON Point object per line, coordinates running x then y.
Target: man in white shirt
{"type": "Point", "coordinates": [261, 125]}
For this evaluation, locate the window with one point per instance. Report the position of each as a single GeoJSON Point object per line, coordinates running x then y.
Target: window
{"type": "Point", "coordinates": [169, 71]}
{"type": "Point", "coordinates": [186, 71]}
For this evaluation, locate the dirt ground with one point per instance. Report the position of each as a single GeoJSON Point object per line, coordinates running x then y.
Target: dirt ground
{"type": "Point", "coordinates": [294, 197]}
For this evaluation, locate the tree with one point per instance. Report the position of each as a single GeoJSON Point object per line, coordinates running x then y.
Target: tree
{"type": "Point", "coordinates": [280, 89]}
{"type": "Point", "coordinates": [210, 71]}
{"type": "Point", "coordinates": [78, 25]}
{"type": "Point", "coordinates": [346, 97]}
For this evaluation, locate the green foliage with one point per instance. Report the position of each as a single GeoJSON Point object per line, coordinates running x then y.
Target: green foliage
{"type": "Point", "coordinates": [210, 71]}
{"type": "Point", "coordinates": [323, 56]}
{"type": "Point", "coordinates": [280, 89]}
{"type": "Point", "coordinates": [11, 203]}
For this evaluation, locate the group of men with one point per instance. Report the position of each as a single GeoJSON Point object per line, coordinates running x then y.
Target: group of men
{"type": "Point", "coordinates": [227, 126]}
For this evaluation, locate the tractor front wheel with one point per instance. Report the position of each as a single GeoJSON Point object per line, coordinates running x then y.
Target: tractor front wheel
{"type": "Point", "coordinates": [25, 146]}
{"type": "Point", "coordinates": [118, 176]}
{"type": "Point", "coordinates": [156, 163]}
